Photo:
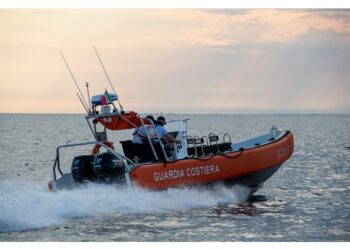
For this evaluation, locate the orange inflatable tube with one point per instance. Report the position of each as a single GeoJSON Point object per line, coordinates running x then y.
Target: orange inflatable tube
{"type": "Point", "coordinates": [216, 168]}
{"type": "Point", "coordinates": [120, 122]}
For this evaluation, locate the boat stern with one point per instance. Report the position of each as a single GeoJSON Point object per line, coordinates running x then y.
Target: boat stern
{"type": "Point", "coordinates": [64, 182]}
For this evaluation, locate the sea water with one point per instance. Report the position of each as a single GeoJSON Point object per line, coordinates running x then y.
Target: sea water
{"type": "Point", "coordinates": [306, 200]}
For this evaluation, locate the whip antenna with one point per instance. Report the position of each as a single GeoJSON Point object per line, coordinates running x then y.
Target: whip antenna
{"type": "Point", "coordinates": [109, 80]}
{"type": "Point", "coordinates": [76, 84]}
{"type": "Point", "coordinates": [86, 109]}
{"type": "Point", "coordinates": [88, 94]}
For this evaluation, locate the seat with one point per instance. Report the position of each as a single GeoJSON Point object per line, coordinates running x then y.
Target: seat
{"type": "Point", "coordinates": [128, 149]}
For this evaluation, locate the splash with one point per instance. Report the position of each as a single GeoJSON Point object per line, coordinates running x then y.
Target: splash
{"type": "Point", "coordinates": [28, 205]}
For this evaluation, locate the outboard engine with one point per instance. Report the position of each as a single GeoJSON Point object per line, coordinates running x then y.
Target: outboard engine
{"type": "Point", "coordinates": [109, 169]}
{"type": "Point", "coordinates": [82, 168]}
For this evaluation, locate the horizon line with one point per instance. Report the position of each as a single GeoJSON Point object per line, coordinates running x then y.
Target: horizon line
{"type": "Point", "coordinates": [189, 113]}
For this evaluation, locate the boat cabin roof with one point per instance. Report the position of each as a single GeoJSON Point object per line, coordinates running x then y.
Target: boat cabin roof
{"type": "Point", "coordinates": [97, 99]}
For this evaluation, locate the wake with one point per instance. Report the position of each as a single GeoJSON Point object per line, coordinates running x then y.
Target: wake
{"type": "Point", "coordinates": [28, 205]}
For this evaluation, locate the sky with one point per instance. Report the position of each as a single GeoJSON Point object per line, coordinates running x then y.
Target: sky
{"type": "Point", "coordinates": [177, 60]}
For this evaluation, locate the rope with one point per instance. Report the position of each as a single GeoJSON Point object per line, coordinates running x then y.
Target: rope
{"type": "Point", "coordinates": [233, 157]}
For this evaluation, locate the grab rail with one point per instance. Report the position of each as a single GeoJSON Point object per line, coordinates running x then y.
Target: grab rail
{"type": "Point", "coordinates": [191, 141]}
{"type": "Point", "coordinates": [214, 138]}
{"type": "Point", "coordinates": [227, 135]}
{"type": "Point", "coordinates": [199, 141]}
{"type": "Point", "coordinates": [119, 156]}
{"type": "Point", "coordinates": [69, 141]}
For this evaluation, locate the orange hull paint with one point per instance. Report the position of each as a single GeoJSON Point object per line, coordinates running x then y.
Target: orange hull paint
{"type": "Point", "coordinates": [213, 169]}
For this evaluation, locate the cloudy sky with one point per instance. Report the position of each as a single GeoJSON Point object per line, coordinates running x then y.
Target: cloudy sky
{"type": "Point", "coordinates": [177, 60]}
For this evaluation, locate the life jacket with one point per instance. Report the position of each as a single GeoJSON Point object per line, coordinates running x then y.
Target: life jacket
{"type": "Point", "coordinates": [151, 130]}
{"type": "Point", "coordinates": [138, 134]}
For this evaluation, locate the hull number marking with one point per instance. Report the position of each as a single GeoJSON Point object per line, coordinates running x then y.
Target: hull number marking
{"type": "Point", "coordinates": [283, 152]}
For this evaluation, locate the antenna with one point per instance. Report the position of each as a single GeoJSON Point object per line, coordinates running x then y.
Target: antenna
{"type": "Point", "coordinates": [88, 94]}
{"type": "Point", "coordinates": [86, 109]}
{"type": "Point", "coordinates": [76, 84]}
{"type": "Point", "coordinates": [109, 80]}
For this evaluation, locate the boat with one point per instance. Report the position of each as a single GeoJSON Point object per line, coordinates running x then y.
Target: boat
{"type": "Point", "coordinates": [158, 165]}
{"type": "Point", "coordinates": [195, 161]}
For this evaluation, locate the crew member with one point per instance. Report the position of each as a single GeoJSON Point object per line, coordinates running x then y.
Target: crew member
{"type": "Point", "coordinates": [139, 133]}
{"type": "Point", "coordinates": [161, 131]}
{"type": "Point", "coordinates": [106, 109]}
{"type": "Point", "coordinates": [140, 145]}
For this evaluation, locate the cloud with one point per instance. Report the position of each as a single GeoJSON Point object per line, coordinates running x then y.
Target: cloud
{"type": "Point", "coordinates": [231, 27]}
{"type": "Point", "coordinates": [178, 60]}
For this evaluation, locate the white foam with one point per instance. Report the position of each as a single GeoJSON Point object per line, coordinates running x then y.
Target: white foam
{"type": "Point", "coordinates": [29, 205]}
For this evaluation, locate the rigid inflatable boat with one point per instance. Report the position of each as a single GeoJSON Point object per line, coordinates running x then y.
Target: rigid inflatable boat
{"type": "Point", "coordinates": [157, 165]}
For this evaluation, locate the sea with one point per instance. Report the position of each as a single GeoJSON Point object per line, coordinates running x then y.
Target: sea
{"type": "Point", "coordinates": [307, 200]}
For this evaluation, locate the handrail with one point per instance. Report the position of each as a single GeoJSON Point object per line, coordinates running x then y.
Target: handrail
{"type": "Point", "coordinates": [144, 127]}
{"type": "Point", "coordinates": [191, 140]}
{"type": "Point", "coordinates": [196, 139]}
{"type": "Point", "coordinates": [118, 155]}
{"type": "Point", "coordinates": [148, 137]}
{"type": "Point", "coordinates": [227, 135]}
{"type": "Point", "coordinates": [178, 120]}
{"type": "Point", "coordinates": [103, 115]}
{"type": "Point", "coordinates": [158, 138]}
{"type": "Point", "coordinates": [69, 141]}
{"type": "Point", "coordinates": [213, 137]}
{"type": "Point", "coordinates": [206, 139]}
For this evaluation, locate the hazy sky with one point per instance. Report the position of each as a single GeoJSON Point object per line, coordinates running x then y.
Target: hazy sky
{"type": "Point", "coordinates": [177, 60]}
